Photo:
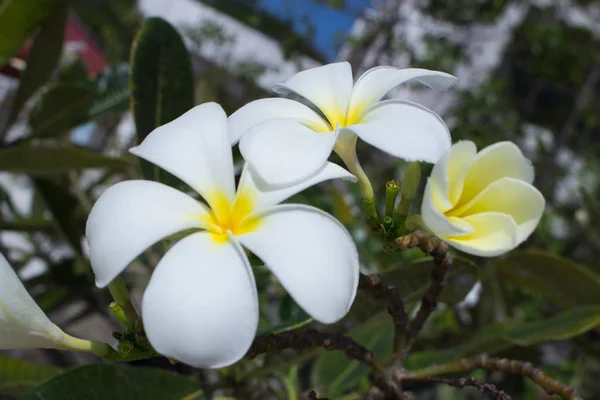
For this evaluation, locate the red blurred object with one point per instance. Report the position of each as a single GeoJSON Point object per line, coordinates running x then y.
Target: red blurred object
{"type": "Point", "coordinates": [78, 40]}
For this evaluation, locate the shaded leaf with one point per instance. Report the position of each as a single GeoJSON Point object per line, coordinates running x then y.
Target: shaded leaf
{"type": "Point", "coordinates": [499, 337]}
{"type": "Point", "coordinates": [161, 83]}
{"type": "Point", "coordinates": [113, 87]}
{"type": "Point", "coordinates": [42, 59]}
{"type": "Point", "coordinates": [26, 225]}
{"type": "Point", "coordinates": [18, 19]}
{"type": "Point", "coordinates": [18, 377]}
{"type": "Point", "coordinates": [560, 280]}
{"type": "Point", "coordinates": [116, 382]}
{"type": "Point", "coordinates": [50, 158]}
{"type": "Point", "coordinates": [412, 280]}
{"type": "Point", "coordinates": [61, 108]}
{"type": "Point", "coordinates": [334, 372]}
{"type": "Point", "coordinates": [65, 209]}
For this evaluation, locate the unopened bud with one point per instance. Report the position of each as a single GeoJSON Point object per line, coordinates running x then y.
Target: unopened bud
{"type": "Point", "coordinates": [411, 180]}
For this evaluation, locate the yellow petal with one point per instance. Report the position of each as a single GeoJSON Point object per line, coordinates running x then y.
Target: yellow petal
{"type": "Point", "coordinates": [495, 233]}
{"type": "Point", "coordinates": [523, 202]}
{"type": "Point", "coordinates": [500, 160]}
{"type": "Point", "coordinates": [435, 220]}
{"type": "Point", "coordinates": [449, 173]}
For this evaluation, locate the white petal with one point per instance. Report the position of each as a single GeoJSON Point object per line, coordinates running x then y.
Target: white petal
{"type": "Point", "coordinates": [495, 233]}
{"type": "Point", "coordinates": [434, 219]}
{"type": "Point", "coordinates": [376, 82]}
{"type": "Point", "coordinates": [502, 159]}
{"type": "Point", "coordinates": [266, 196]}
{"type": "Point", "coordinates": [312, 255]}
{"type": "Point", "coordinates": [404, 129]}
{"type": "Point", "coordinates": [23, 324]}
{"type": "Point", "coordinates": [131, 216]}
{"type": "Point", "coordinates": [201, 306]}
{"type": "Point", "coordinates": [195, 148]}
{"type": "Point", "coordinates": [262, 110]}
{"type": "Point", "coordinates": [523, 202]}
{"type": "Point", "coordinates": [284, 152]}
{"type": "Point", "coordinates": [449, 173]}
{"type": "Point", "coordinates": [328, 87]}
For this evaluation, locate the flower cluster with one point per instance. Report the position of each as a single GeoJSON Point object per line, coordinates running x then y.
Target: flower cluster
{"type": "Point", "coordinates": [201, 305]}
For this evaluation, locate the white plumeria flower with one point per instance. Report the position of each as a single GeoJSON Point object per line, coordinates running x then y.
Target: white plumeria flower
{"type": "Point", "coordinates": [482, 203]}
{"type": "Point", "coordinates": [23, 324]}
{"type": "Point", "coordinates": [286, 141]}
{"type": "Point", "coordinates": [201, 305]}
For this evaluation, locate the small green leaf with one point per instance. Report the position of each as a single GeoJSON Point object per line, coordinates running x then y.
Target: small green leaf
{"type": "Point", "coordinates": [560, 280]}
{"type": "Point", "coordinates": [51, 158]}
{"type": "Point", "coordinates": [61, 108]}
{"type": "Point", "coordinates": [499, 337]}
{"type": "Point", "coordinates": [18, 377]}
{"type": "Point", "coordinates": [412, 279]}
{"type": "Point", "coordinates": [162, 81]}
{"type": "Point", "coordinates": [117, 382]}
{"type": "Point", "coordinates": [18, 20]}
{"type": "Point", "coordinates": [42, 59]}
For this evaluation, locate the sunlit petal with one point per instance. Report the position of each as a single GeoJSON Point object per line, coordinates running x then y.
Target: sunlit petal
{"type": "Point", "coordinates": [376, 82]}
{"type": "Point", "coordinates": [262, 110]}
{"type": "Point", "coordinates": [284, 152]}
{"type": "Point", "coordinates": [131, 216]}
{"type": "Point", "coordinates": [312, 255]}
{"type": "Point", "coordinates": [404, 129]}
{"type": "Point", "coordinates": [266, 196]}
{"type": "Point", "coordinates": [201, 306]}
{"type": "Point", "coordinates": [328, 87]}
{"type": "Point", "coordinates": [195, 148]}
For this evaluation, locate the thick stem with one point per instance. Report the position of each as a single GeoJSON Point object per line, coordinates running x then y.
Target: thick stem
{"type": "Point", "coordinates": [87, 346]}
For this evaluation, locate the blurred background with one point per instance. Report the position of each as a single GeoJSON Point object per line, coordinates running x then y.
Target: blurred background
{"type": "Point", "coordinates": [529, 72]}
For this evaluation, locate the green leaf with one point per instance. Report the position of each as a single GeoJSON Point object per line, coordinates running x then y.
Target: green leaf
{"type": "Point", "coordinates": [499, 337]}
{"type": "Point", "coordinates": [65, 209]}
{"type": "Point", "coordinates": [412, 279]}
{"type": "Point", "coordinates": [51, 158]}
{"type": "Point", "coordinates": [113, 88]}
{"type": "Point", "coordinates": [61, 108]}
{"type": "Point", "coordinates": [18, 377]}
{"type": "Point", "coordinates": [558, 279]}
{"type": "Point", "coordinates": [162, 81]}
{"type": "Point", "coordinates": [334, 372]}
{"type": "Point", "coordinates": [18, 19]}
{"type": "Point", "coordinates": [116, 382]}
{"type": "Point", "coordinates": [42, 59]}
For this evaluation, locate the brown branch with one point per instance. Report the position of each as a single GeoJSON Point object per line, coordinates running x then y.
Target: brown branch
{"type": "Point", "coordinates": [373, 284]}
{"type": "Point", "coordinates": [439, 250]}
{"type": "Point", "coordinates": [483, 387]}
{"type": "Point", "coordinates": [302, 340]}
{"type": "Point", "coordinates": [549, 385]}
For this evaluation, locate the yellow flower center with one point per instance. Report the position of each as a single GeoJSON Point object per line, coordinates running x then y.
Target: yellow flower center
{"type": "Point", "coordinates": [344, 119]}
{"type": "Point", "coordinates": [233, 217]}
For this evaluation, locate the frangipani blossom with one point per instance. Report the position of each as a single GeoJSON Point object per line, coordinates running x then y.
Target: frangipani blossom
{"type": "Point", "coordinates": [23, 324]}
{"type": "Point", "coordinates": [482, 203]}
{"type": "Point", "coordinates": [201, 305]}
{"type": "Point", "coordinates": [285, 141]}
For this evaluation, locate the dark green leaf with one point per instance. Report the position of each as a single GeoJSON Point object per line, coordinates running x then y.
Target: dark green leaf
{"type": "Point", "coordinates": [116, 382]}
{"type": "Point", "coordinates": [50, 158]}
{"type": "Point", "coordinates": [162, 82]}
{"type": "Point", "coordinates": [113, 88]}
{"type": "Point", "coordinates": [26, 225]}
{"type": "Point", "coordinates": [18, 19]}
{"type": "Point", "coordinates": [61, 108]}
{"type": "Point", "coordinates": [334, 372]}
{"type": "Point", "coordinates": [18, 377]}
{"type": "Point", "coordinates": [412, 280]}
{"type": "Point", "coordinates": [42, 59]}
{"type": "Point", "coordinates": [498, 337]}
{"type": "Point", "coordinates": [560, 280]}
{"type": "Point", "coordinates": [65, 209]}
